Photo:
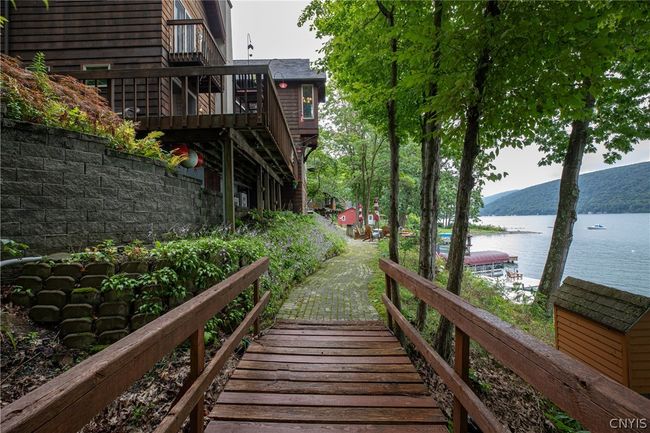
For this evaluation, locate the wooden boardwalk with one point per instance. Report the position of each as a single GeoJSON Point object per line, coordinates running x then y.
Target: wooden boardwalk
{"type": "Point", "coordinates": [304, 376]}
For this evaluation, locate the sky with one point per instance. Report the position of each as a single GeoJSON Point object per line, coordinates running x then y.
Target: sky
{"type": "Point", "coordinates": [275, 34]}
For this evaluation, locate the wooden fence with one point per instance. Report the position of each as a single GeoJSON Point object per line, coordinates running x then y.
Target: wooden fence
{"type": "Point", "coordinates": [598, 402]}
{"type": "Point", "coordinates": [72, 399]}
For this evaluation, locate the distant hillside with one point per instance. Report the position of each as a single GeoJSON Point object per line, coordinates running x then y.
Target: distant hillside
{"type": "Point", "coordinates": [494, 197]}
{"type": "Point", "coordinates": [623, 189]}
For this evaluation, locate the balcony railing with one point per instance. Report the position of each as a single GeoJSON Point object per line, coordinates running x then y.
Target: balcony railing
{"type": "Point", "coordinates": [192, 43]}
{"type": "Point", "coordinates": [202, 97]}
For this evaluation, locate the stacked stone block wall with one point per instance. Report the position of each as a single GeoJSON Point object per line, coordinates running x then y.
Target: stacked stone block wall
{"type": "Point", "coordinates": [62, 191]}
{"type": "Point", "coordinates": [69, 295]}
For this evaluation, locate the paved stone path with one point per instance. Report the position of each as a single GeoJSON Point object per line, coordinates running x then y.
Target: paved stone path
{"type": "Point", "coordinates": [337, 291]}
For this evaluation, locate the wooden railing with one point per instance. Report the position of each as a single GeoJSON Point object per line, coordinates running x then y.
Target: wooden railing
{"type": "Point", "coordinates": [192, 42]}
{"type": "Point", "coordinates": [598, 402]}
{"type": "Point", "coordinates": [197, 97]}
{"type": "Point", "coordinates": [71, 400]}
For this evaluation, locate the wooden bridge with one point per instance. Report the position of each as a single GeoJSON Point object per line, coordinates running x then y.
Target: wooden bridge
{"type": "Point", "coordinates": [325, 377]}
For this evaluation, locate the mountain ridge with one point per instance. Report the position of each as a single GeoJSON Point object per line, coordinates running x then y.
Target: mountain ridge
{"type": "Point", "coordinates": [624, 189]}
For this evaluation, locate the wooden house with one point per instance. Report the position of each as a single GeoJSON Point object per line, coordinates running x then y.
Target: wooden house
{"type": "Point", "coordinates": [168, 66]}
{"type": "Point", "coordinates": [607, 328]}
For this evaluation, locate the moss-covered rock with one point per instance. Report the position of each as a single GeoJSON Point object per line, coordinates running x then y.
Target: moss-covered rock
{"type": "Point", "coordinates": [134, 267]}
{"type": "Point", "coordinates": [73, 270]}
{"type": "Point", "coordinates": [109, 323]}
{"type": "Point", "coordinates": [115, 308]}
{"type": "Point", "coordinates": [92, 281]}
{"type": "Point", "coordinates": [85, 295]}
{"type": "Point", "coordinates": [80, 341]}
{"type": "Point", "coordinates": [117, 296]}
{"type": "Point", "coordinates": [22, 298]}
{"type": "Point", "coordinates": [30, 282]}
{"type": "Point", "coordinates": [76, 326]}
{"type": "Point", "coordinates": [109, 337]}
{"type": "Point", "coordinates": [139, 320]}
{"type": "Point", "coordinates": [42, 270]}
{"type": "Point", "coordinates": [63, 283]}
{"type": "Point", "coordinates": [45, 314]}
{"type": "Point", "coordinates": [74, 311]}
{"type": "Point", "coordinates": [51, 297]}
{"type": "Point", "coordinates": [99, 269]}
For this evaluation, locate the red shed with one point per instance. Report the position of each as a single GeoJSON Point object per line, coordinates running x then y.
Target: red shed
{"type": "Point", "coordinates": [348, 217]}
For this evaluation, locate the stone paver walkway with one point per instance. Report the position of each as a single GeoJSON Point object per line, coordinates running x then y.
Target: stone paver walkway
{"type": "Point", "coordinates": [337, 291]}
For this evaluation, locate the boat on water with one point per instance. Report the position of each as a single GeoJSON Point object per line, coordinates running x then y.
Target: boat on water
{"type": "Point", "coordinates": [597, 227]}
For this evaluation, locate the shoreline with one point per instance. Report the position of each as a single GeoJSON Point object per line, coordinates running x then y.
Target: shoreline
{"type": "Point", "coordinates": [509, 232]}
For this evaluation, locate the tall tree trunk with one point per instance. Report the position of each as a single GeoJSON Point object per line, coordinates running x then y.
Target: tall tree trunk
{"type": "Point", "coordinates": [566, 209]}
{"type": "Point", "coordinates": [391, 111]}
{"type": "Point", "coordinates": [430, 177]}
{"type": "Point", "coordinates": [471, 147]}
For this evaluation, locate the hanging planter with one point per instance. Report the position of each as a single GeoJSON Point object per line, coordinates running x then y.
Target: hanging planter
{"type": "Point", "coordinates": [193, 158]}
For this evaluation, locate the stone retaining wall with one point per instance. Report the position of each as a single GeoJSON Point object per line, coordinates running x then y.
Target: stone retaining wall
{"type": "Point", "coordinates": [68, 295]}
{"type": "Point", "coordinates": [63, 191]}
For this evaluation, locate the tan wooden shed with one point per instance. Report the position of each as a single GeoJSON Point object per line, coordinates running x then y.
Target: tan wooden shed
{"type": "Point", "coordinates": [607, 328]}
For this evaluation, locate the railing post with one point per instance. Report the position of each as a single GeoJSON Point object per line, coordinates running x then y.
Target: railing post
{"type": "Point", "coordinates": [197, 364]}
{"type": "Point", "coordinates": [461, 366]}
{"type": "Point", "coordinates": [109, 94]}
{"type": "Point", "coordinates": [389, 284]}
{"type": "Point", "coordinates": [260, 102]}
{"type": "Point", "coordinates": [256, 299]}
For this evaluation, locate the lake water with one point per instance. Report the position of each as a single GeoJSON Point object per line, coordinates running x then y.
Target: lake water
{"type": "Point", "coordinates": [618, 257]}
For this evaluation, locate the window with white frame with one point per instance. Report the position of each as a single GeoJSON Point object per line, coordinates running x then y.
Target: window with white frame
{"type": "Point", "coordinates": [184, 35]}
{"type": "Point", "coordinates": [100, 84]}
{"type": "Point", "coordinates": [307, 101]}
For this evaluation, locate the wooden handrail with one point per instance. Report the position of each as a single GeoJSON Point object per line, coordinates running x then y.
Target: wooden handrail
{"type": "Point", "coordinates": [198, 22]}
{"type": "Point", "coordinates": [72, 399]}
{"type": "Point", "coordinates": [181, 410]}
{"type": "Point", "coordinates": [584, 393]}
{"type": "Point", "coordinates": [484, 418]}
{"type": "Point", "coordinates": [176, 71]}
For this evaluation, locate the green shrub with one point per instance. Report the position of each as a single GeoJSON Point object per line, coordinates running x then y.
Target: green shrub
{"type": "Point", "coordinates": [295, 245]}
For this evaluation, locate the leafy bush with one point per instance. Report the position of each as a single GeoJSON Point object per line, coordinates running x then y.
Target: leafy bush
{"type": "Point", "coordinates": [62, 102]}
{"type": "Point", "coordinates": [295, 245]}
{"type": "Point", "coordinates": [12, 249]}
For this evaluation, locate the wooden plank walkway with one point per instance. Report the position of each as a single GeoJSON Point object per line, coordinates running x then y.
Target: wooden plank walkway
{"type": "Point", "coordinates": [325, 377]}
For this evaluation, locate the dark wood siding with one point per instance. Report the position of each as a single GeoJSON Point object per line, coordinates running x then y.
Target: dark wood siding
{"type": "Point", "coordinates": [290, 99]}
{"type": "Point", "coordinates": [122, 33]}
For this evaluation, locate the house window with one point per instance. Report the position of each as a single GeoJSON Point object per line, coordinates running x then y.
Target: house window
{"type": "Point", "coordinates": [100, 84]}
{"type": "Point", "coordinates": [177, 99]}
{"type": "Point", "coordinates": [184, 35]}
{"type": "Point", "coordinates": [307, 101]}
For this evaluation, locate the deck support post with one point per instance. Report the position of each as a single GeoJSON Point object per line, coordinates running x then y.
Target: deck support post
{"type": "Point", "coordinates": [267, 192]}
{"type": "Point", "coordinates": [461, 366]}
{"type": "Point", "coordinates": [389, 284]}
{"type": "Point", "coordinates": [229, 184]}
{"type": "Point", "coordinates": [197, 364]}
{"type": "Point", "coordinates": [256, 299]}
{"type": "Point", "coordinates": [260, 196]}
{"type": "Point", "coordinates": [272, 192]}
{"type": "Point", "coordinates": [278, 195]}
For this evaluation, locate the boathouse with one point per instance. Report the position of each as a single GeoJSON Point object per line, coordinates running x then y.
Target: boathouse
{"type": "Point", "coordinates": [607, 328]}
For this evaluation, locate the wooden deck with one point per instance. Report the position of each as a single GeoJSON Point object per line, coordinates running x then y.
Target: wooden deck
{"type": "Point", "coordinates": [326, 377]}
